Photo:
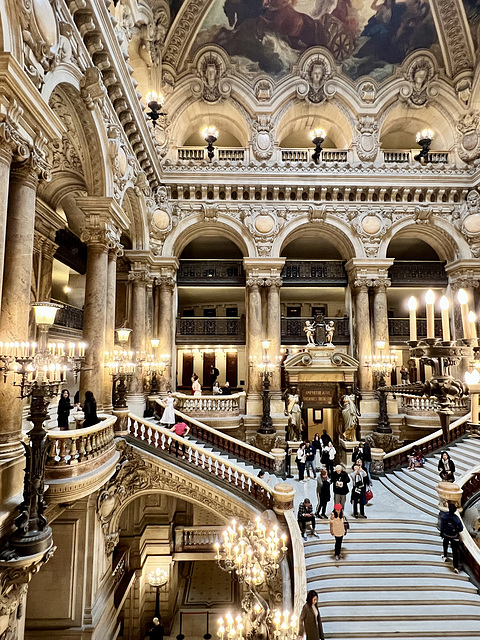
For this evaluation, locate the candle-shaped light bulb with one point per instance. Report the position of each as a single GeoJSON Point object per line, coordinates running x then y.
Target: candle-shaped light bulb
{"type": "Point", "coordinates": [430, 308]}
{"type": "Point", "coordinates": [472, 322]}
{"type": "Point", "coordinates": [412, 307]}
{"type": "Point", "coordinates": [462, 297]}
{"type": "Point", "coordinates": [444, 306]}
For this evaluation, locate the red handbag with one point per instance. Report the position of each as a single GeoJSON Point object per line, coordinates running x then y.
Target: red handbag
{"type": "Point", "coordinates": [368, 495]}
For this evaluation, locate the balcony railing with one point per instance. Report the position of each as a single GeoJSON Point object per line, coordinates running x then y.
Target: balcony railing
{"type": "Point", "coordinates": [211, 330]}
{"type": "Point", "coordinates": [399, 329]}
{"type": "Point", "coordinates": [197, 154]}
{"type": "Point", "coordinates": [199, 538]}
{"type": "Point", "coordinates": [211, 405]}
{"type": "Point", "coordinates": [293, 333]}
{"type": "Point", "coordinates": [305, 155]}
{"type": "Point", "coordinates": [428, 406]}
{"type": "Point", "coordinates": [405, 273]}
{"type": "Point", "coordinates": [211, 273]}
{"type": "Point", "coordinates": [406, 156]}
{"type": "Point", "coordinates": [314, 272]}
{"type": "Point", "coordinates": [80, 451]}
{"type": "Point", "coordinates": [69, 317]}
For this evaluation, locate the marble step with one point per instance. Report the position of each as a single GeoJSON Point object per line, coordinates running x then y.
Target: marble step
{"type": "Point", "coordinates": [460, 458]}
{"type": "Point", "coordinates": [365, 536]}
{"type": "Point", "coordinates": [417, 482]}
{"type": "Point", "coordinates": [471, 444]}
{"type": "Point", "coordinates": [393, 599]}
{"type": "Point", "coordinates": [450, 584]}
{"type": "Point", "coordinates": [400, 489]}
{"type": "Point", "coordinates": [319, 547]}
{"type": "Point", "coordinates": [355, 558]}
{"type": "Point", "coordinates": [388, 629]}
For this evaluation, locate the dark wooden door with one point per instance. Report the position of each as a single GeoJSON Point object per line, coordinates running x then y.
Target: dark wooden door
{"type": "Point", "coordinates": [208, 363]}
{"type": "Point", "coordinates": [232, 369]}
{"type": "Point", "coordinates": [187, 371]}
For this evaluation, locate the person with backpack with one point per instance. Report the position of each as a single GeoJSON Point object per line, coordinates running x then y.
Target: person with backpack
{"type": "Point", "coordinates": [450, 527]}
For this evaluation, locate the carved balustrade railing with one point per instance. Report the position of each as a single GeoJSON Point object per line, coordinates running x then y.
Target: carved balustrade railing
{"type": "Point", "coordinates": [121, 566]}
{"type": "Point", "coordinates": [224, 442]}
{"type": "Point", "coordinates": [470, 484]}
{"type": "Point", "coordinates": [69, 317]}
{"type": "Point", "coordinates": [219, 330]}
{"type": "Point", "coordinates": [198, 538]}
{"type": "Point", "coordinates": [415, 404]}
{"type": "Point", "coordinates": [210, 273]}
{"type": "Point", "coordinates": [222, 154]}
{"type": "Point", "coordinates": [428, 444]}
{"type": "Point", "coordinates": [399, 328]}
{"type": "Point", "coordinates": [309, 272]}
{"type": "Point", "coordinates": [199, 459]}
{"type": "Point", "coordinates": [220, 405]}
{"type": "Point", "coordinates": [406, 156]}
{"type": "Point", "coordinates": [305, 155]}
{"type": "Point", "coordinates": [79, 451]}
{"type": "Point", "coordinates": [411, 273]}
{"type": "Point", "coordinates": [293, 330]}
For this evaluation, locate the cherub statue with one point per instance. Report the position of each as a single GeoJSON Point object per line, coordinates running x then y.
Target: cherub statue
{"type": "Point", "coordinates": [329, 331]}
{"type": "Point", "coordinates": [309, 329]}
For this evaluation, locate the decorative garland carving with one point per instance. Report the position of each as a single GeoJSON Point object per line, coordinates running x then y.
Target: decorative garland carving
{"type": "Point", "coordinates": [420, 75]}
{"type": "Point", "coordinates": [455, 31]}
{"type": "Point", "coordinates": [367, 138]}
{"type": "Point", "coordinates": [262, 137]}
{"type": "Point", "coordinates": [41, 37]}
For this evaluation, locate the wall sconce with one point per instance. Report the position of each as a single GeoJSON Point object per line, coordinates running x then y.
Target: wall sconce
{"type": "Point", "coordinates": [424, 139]}
{"type": "Point", "coordinates": [155, 103]}
{"type": "Point", "coordinates": [210, 135]}
{"type": "Point", "coordinates": [155, 342]}
{"type": "Point", "coordinates": [123, 334]}
{"type": "Point", "coordinates": [317, 136]}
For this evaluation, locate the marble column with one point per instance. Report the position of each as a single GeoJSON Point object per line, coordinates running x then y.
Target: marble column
{"type": "Point", "coordinates": [6, 153]}
{"type": "Point", "coordinates": [156, 310]}
{"type": "Point", "coordinates": [274, 328]}
{"type": "Point", "coordinates": [362, 335]}
{"type": "Point", "coordinates": [254, 333]}
{"type": "Point", "coordinates": [113, 253]}
{"type": "Point", "coordinates": [44, 253]}
{"type": "Point", "coordinates": [16, 293]}
{"type": "Point", "coordinates": [380, 315]}
{"type": "Point", "coordinates": [166, 330]}
{"type": "Point", "coordinates": [139, 279]}
{"type": "Point", "coordinates": [95, 313]}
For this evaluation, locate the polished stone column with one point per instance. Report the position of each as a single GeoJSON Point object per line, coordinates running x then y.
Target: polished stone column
{"type": "Point", "coordinates": [16, 293]}
{"type": "Point", "coordinates": [254, 333]}
{"type": "Point", "coordinates": [380, 315]}
{"type": "Point", "coordinates": [274, 328]}
{"type": "Point", "coordinates": [45, 251]}
{"type": "Point", "coordinates": [166, 330]}
{"type": "Point", "coordinates": [113, 253]}
{"type": "Point", "coordinates": [156, 310]}
{"type": "Point", "coordinates": [95, 313]}
{"type": "Point", "coordinates": [362, 334]}
{"type": "Point", "coordinates": [139, 279]}
{"type": "Point", "coordinates": [6, 153]}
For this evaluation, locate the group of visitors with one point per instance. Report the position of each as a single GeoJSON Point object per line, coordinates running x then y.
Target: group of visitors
{"type": "Point", "coordinates": [65, 407]}
{"type": "Point", "coordinates": [311, 455]}
{"type": "Point", "coordinates": [215, 387]}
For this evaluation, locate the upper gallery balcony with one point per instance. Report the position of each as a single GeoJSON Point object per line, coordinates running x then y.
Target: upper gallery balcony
{"type": "Point", "coordinates": [406, 273]}
{"type": "Point", "coordinates": [211, 273]}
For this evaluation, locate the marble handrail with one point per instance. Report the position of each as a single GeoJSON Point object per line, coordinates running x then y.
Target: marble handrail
{"type": "Point", "coordinates": [79, 446]}
{"type": "Point", "coordinates": [299, 586]}
{"type": "Point", "coordinates": [198, 457]}
{"type": "Point", "coordinates": [428, 443]}
{"type": "Point", "coordinates": [470, 551]}
{"type": "Point", "coordinates": [210, 404]}
{"type": "Point", "coordinates": [227, 443]}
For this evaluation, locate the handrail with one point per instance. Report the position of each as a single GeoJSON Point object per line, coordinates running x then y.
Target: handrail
{"type": "Point", "coordinates": [196, 456]}
{"type": "Point", "coordinates": [470, 551]}
{"type": "Point", "coordinates": [299, 567]}
{"type": "Point", "coordinates": [429, 443]}
{"type": "Point", "coordinates": [105, 420]}
{"type": "Point", "coordinates": [226, 443]}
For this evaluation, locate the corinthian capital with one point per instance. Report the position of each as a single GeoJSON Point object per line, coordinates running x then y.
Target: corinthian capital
{"type": "Point", "coordinates": [139, 276]}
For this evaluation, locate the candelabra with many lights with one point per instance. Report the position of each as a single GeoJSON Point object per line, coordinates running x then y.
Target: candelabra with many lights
{"type": "Point", "coordinates": [382, 365]}
{"type": "Point", "coordinates": [38, 371]}
{"type": "Point", "coordinates": [254, 556]}
{"type": "Point", "coordinates": [440, 354]}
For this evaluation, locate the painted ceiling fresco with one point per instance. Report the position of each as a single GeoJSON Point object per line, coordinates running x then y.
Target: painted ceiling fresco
{"type": "Point", "coordinates": [472, 9]}
{"type": "Point", "coordinates": [367, 37]}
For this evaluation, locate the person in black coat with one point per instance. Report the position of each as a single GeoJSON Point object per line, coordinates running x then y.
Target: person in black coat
{"type": "Point", "coordinates": [446, 467]}
{"type": "Point", "coordinates": [63, 410]}
{"type": "Point", "coordinates": [90, 410]}
{"type": "Point", "coordinates": [323, 494]}
{"type": "Point", "coordinates": [450, 526]}
{"type": "Point", "coordinates": [364, 452]}
{"type": "Point", "coordinates": [340, 481]}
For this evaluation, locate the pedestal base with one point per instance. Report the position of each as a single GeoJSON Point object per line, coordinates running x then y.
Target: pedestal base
{"type": "Point", "coordinates": [32, 543]}
{"type": "Point", "coordinates": [449, 492]}
{"type": "Point", "coordinates": [346, 451]}
{"type": "Point", "coordinates": [121, 426]}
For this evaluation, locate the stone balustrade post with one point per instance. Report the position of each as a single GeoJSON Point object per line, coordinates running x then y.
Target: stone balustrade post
{"type": "Point", "coordinates": [279, 462]}
{"type": "Point", "coordinates": [449, 492]}
{"type": "Point", "coordinates": [283, 496]}
{"type": "Point", "coordinates": [377, 467]}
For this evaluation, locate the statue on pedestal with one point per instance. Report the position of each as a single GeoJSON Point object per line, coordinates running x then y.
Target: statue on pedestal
{"type": "Point", "coordinates": [293, 410]}
{"type": "Point", "coordinates": [350, 414]}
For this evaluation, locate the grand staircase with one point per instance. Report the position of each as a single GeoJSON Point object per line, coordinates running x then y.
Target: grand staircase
{"type": "Point", "coordinates": [392, 582]}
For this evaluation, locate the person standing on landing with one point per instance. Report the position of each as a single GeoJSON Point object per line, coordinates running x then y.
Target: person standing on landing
{"type": "Point", "coordinates": [338, 528]}
{"type": "Point", "coordinates": [450, 528]}
{"type": "Point", "coordinates": [323, 494]}
{"type": "Point", "coordinates": [446, 467]}
{"type": "Point", "coordinates": [358, 478]}
{"type": "Point", "coordinates": [196, 386]}
{"type": "Point", "coordinates": [340, 480]}
{"type": "Point", "coordinates": [310, 622]}
{"type": "Point", "coordinates": [328, 457]}
{"type": "Point", "coordinates": [310, 460]}
{"type": "Point", "coordinates": [168, 416]}
{"type": "Point", "coordinates": [63, 410]}
{"type": "Point", "coordinates": [300, 459]}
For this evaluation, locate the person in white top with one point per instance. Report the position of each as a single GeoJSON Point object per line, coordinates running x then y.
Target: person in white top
{"type": "Point", "coordinates": [196, 386]}
{"type": "Point", "coordinates": [168, 416]}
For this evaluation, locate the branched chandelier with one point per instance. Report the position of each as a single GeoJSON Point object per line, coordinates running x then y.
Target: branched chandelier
{"type": "Point", "coordinates": [253, 554]}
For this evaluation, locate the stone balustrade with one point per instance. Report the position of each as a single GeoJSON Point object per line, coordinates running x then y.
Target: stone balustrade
{"type": "Point", "coordinates": [469, 487]}
{"type": "Point", "coordinates": [414, 404]}
{"type": "Point", "coordinates": [199, 459]}
{"type": "Point", "coordinates": [79, 451]}
{"type": "Point", "coordinates": [197, 154]}
{"type": "Point", "coordinates": [197, 538]}
{"type": "Point", "coordinates": [217, 405]}
{"type": "Point", "coordinates": [407, 156]}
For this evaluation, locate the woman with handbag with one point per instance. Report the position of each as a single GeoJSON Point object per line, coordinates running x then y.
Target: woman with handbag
{"type": "Point", "coordinates": [358, 497]}
{"type": "Point", "coordinates": [310, 622]}
{"type": "Point", "coordinates": [338, 528]}
{"type": "Point", "coordinates": [301, 460]}
{"type": "Point", "coordinates": [446, 467]}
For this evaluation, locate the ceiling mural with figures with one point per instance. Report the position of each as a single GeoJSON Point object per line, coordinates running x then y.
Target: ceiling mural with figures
{"type": "Point", "coordinates": [366, 37]}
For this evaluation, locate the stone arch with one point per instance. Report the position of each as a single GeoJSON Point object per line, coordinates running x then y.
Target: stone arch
{"type": "Point", "coordinates": [441, 236]}
{"type": "Point", "coordinates": [301, 117]}
{"type": "Point", "coordinates": [336, 231]}
{"type": "Point", "coordinates": [190, 228]}
{"type": "Point", "coordinates": [138, 224]}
